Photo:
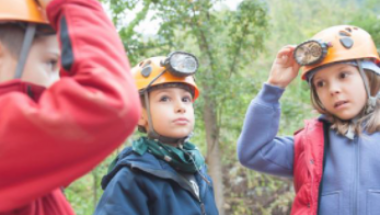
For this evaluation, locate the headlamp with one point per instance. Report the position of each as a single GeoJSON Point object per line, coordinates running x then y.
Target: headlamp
{"type": "Point", "coordinates": [181, 64]}
{"type": "Point", "coordinates": [310, 52]}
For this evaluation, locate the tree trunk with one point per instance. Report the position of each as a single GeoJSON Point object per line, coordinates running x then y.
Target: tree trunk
{"type": "Point", "coordinates": [213, 152]}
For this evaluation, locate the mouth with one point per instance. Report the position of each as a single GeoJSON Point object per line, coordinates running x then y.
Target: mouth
{"type": "Point", "coordinates": [340, 103]}
{"type": "Point", "coordinates": [181, 121]}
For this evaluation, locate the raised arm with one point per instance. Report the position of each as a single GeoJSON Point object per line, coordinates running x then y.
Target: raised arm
{"type": "Point", "coordinates": [79, 120]}
{"type": "Point", "coordinates": [258, 146]}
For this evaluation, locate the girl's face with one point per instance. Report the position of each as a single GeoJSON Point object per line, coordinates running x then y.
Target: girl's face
{"type": "Point", "coordinates": [340, 89]}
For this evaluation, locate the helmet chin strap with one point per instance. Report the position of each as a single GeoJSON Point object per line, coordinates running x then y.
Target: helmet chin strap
{"type": "Point", "coordinates": [27, 43]}
{"type": "Point", "coordinates": [371, 100]}
{"type": "Point", "coordinates": [152, 134]}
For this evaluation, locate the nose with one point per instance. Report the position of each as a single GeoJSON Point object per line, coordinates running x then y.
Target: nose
{"type": "Point", "coordinates": [334, 88]}
{"type": "Point", "coordinates": [180, 106]}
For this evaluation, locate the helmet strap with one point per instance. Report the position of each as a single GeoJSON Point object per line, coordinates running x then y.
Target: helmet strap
{"type": "Point", "coordinates": [371, 103]}
{"type": "Point", "coordinates": [27, 43]}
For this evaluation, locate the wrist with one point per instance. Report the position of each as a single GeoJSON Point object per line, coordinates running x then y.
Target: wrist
{"type": "Point", "coordinates": [276, 83]}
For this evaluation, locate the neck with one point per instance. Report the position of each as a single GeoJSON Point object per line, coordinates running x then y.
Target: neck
{"type": "Point", "coordinates": [171, 144]}
{"type": "Point", "coordinates": [171, 141]}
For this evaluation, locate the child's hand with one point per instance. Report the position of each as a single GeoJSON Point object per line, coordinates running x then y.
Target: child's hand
{"type": "Point", "coordinates": [284, 68]}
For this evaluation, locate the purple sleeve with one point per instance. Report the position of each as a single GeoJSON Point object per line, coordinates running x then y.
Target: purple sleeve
{"type": "Point", "coordinates": [258, 146]}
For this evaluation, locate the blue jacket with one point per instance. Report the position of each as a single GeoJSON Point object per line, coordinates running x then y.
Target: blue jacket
{"type": "Point", "coordinates": [350, 182]}
{"type": "Point", "coordinates": [145, 185]}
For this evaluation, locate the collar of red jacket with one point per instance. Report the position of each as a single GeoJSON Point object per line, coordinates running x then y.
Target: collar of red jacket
{"type": "Point", "coordinates": [32, 90]}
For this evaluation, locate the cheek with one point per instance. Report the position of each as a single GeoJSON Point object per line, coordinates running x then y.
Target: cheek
{"type": "Point", "coordinates": [323, 97]}
{"type": "Point", "coordinates": [362, 96]}
{"type": "Point", "coordinates": [34, 72]}
{"type": "Point", "coordinates": [191, 114]}
{"type": "Point", "coordinates": [358, 91]}
{"type": "Point", "coordinates": [158, 112]}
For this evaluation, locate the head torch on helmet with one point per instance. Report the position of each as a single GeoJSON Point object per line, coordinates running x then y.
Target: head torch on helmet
{"type": "Point", "coordinates": [310, 52]}
{"type": "Point", "coordinates": [181, 64]}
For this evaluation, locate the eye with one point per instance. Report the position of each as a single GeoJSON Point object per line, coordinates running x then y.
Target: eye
{"type": "Point", "coordinates": [52, 64]}
{"type": "Point", "coordinates": [187, 99]}
{"type": "Point", "coordinates": [164, 98]}
{"type": "Point", "coordinates": [319, 84]}
{"type": "Point", "coordinates": [343, 75]}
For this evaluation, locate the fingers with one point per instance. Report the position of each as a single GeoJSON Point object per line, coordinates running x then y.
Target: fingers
{"type": "Point", "coordinates": [285, 51]}
{"type": "Point", "coordinates": [285, 56]}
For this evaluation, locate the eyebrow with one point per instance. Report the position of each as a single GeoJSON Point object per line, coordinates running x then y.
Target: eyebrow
{"type": "Point", "coordinates": [339, 68]}
{"type": "Point", "coordinates": [344, 66]}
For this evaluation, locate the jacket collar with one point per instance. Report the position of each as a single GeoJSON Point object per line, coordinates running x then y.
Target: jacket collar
{"type": "Point", "coordinates": [148, 164]}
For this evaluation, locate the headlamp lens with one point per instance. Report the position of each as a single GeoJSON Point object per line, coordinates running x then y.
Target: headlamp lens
{"type": "Point", "coordinates": [310, 52]}
{"type": "Point", "coordinates": [182, 63]}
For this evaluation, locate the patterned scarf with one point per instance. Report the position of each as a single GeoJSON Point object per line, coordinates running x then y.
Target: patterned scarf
{"type": "Point", "coordinates": [185, 158]}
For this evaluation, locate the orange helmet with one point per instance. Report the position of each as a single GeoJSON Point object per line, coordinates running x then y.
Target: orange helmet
{"type": "Point", "coordinates": [340, 43]}
{"type": "Point", "coordinates": [148, 70]}
{"type": "Point", "coordinates": [22, 11]}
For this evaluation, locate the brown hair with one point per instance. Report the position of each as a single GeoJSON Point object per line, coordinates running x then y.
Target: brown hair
{"type": "Point", "coordinates": [371, 120]}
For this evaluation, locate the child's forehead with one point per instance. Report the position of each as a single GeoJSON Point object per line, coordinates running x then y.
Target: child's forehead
{"type": "Point", "coordinates": [173, 87]}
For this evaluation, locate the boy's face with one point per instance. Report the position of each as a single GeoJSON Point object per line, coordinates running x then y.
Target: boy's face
{"type": "Point", "coordinates": [41, 67]}
{"type": "Point", "coordinates": [172, 112]}
{"type": "Point", "coordinates": [341, 90]}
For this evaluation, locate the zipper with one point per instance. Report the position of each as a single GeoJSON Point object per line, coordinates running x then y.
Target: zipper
{"type": "Point", "coordinates": [326, 145]}
{"type": "Point", "coordinates": [203, 209]}
{"type": "Point", "coordinates": [202, 190]}
{"type": "Point", "coordinates": [356, 184]}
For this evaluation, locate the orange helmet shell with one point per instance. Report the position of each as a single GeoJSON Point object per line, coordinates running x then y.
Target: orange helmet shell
{"type": "Point", "coordinates": [362, 47]}
{"type": "Point", "coordinates": [147, 70]}
{"type": "Point", "coordinates": [22, 11]}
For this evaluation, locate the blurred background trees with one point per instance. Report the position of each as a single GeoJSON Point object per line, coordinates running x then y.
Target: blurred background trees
{"type": "Point", "coordinates": [235, 42]}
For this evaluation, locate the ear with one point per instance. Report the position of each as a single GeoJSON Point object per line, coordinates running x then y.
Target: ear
{"type": "Point", "coordinates": [143, 121]}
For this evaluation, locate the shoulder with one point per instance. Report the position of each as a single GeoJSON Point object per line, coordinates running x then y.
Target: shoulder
{"type": "Point", "coordinates": [309, 124]}
{"type": "Point", "coordinates": [127, 165]}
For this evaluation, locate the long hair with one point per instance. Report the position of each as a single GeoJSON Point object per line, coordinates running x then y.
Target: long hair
{"type": "Point", "coordinates": [368, 121]}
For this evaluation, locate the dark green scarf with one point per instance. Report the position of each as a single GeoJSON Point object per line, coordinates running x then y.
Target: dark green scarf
{"type": "Point", "coordinates": [185, 158]}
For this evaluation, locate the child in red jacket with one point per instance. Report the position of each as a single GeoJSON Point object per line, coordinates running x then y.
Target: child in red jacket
{"type": "Point", "coordinates": [51, 136]}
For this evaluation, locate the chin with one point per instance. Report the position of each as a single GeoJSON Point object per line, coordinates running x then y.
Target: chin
{"type": "Point", "coordinates": [178, 135]}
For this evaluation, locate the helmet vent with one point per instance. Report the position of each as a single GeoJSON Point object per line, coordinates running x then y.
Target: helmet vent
{"type": "Point", "coordinates": [347, 42]}
{"type": "Point", "coordinates": [146, 71]}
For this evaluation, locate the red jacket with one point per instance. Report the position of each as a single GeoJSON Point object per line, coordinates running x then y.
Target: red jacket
{"type": "Point", "coordinates": [48, 138]}
{"type": "Point", "coordinates": [308, 165]}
